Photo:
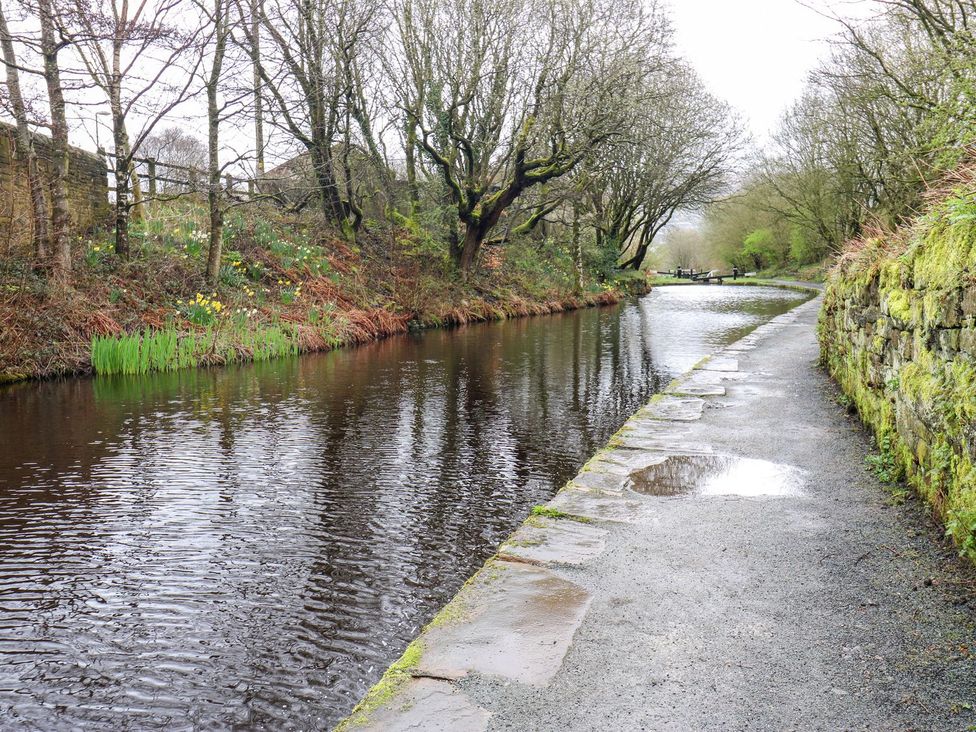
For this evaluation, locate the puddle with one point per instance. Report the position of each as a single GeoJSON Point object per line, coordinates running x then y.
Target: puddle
{"type": "Point", "coordinates": [717, 475]}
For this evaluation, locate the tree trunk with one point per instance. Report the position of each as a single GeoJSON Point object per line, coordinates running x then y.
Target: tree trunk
{"type": "Point", "coordinates": [138, 204]}
{"type": "Point", "coordinates": [258, 104]}
{"type": "Point", "coordinates": [637, 260]}
{"type": "Point", "coordinates": [577, 253]}
{"type": "Point", "coordinates": [25, 147]}
{"type": "Point", "coordinates": [467, 253]}
{"type": "Point", "coordinates": [332, 207]}
{"type": "Point", "coordinates": [60, 213]}
{"type": "Point", "coordinates": [476, 230]}
{"type": "Point", "coordinates": [216, 232]}
{"type": "Point", "coordinates": [213, 193]}
{"type": "Point", "coordinates": [122, 181]}
{"type": "Point", "coordinates": [352, 215]}
{"type": "Point", "coordinates": [411, 153]}
{"type": "Point", "coordinates": [213, 148]}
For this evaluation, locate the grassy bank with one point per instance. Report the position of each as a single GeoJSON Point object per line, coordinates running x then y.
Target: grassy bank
{"type": "Point", "coordinates": [807, 273]}
{"type": "Point", "coordinates": [283, 289]}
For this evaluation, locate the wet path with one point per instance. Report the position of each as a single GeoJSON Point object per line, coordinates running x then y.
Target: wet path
{"type": "Point", "coordinates": [738, 568]}
{"type": "Point", "coordinates": [253, 546]}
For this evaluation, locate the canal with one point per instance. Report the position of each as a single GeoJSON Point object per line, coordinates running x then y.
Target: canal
{"type": "Point", "coordinates": [252, 546]}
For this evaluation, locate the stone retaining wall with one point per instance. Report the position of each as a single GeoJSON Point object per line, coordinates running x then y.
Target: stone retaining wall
{"type": "Point", "coordinates": [898, 333]}
{"type": "Point", "coordinates": [87, 189]}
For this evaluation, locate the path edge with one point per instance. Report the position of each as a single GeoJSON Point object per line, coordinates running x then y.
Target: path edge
{"type": "Point", "coordinates": [386, 693]}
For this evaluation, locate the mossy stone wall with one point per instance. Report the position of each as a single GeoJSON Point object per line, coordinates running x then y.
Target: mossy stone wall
{"type": "Point", "coordinates": [898, 333]}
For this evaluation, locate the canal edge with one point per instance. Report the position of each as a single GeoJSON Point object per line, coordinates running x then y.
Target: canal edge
{"type": "Point", "coordinates": [421, 686]}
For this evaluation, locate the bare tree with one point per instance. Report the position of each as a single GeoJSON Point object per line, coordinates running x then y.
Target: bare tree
{"type": "Point", "coordinates": [307, 68]}
{"type": "Point", "coordinates": [133, 53]}
{"type": "Point", "coordinates": [677, 156]}
{"type": "Point", "coordinates": [215, 50]}
{"type": "Point", "coordinates": [52, 43]}
{"type": "Point", "coordinates": [255, 48]}
{"type": "Point", "coordinates": [172, 146]}
{"type": "Point", "coordinates": [25, 144]}
{"type": "Point", "coordinates": [506, 97]}
{"type": "Point", "coordinates": [686, 248]}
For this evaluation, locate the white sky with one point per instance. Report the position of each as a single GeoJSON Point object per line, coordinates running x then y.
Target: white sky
{"type": "Point", "coordinates": [755, 54]}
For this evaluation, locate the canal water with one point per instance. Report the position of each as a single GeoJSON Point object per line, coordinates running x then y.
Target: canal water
{"type": "Point", "coordinates": [251, 547]}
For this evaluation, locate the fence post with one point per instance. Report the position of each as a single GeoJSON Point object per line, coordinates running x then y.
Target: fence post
{"type": "Point", "coordinates": [151, 163]}
{"type": "Point", "coordinates": [230, 183]}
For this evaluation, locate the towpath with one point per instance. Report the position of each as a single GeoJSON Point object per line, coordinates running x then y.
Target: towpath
{"type": "Point", "coordinates": [728, 563]}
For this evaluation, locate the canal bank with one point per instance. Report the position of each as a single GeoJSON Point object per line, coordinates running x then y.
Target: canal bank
{"type": "Point", "coordinates": [727, 562]}
{"type": "Point", "coordinates": [262, 541]}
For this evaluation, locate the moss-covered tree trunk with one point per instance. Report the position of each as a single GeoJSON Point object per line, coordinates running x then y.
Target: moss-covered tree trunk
{"type": "Point", "coordinates": [577, 252]}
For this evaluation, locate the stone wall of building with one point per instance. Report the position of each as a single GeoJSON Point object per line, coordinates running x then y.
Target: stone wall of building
{"type": "Point", "coordinates": [898, 333]}
{"type": "Point", "coordinates": [87, 190]}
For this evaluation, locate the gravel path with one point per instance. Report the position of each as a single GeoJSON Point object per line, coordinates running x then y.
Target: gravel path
{"type": "Point", "coordinates": [787, 591]}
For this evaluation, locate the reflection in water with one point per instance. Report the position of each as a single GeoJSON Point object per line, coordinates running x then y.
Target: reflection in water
{"type": "Point", "coordinates": [252, 546]}
{"type": "Point", "coordinates": [717, 475]}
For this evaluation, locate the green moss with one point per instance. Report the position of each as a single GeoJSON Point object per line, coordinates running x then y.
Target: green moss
{"type": "Point", "coordinates": [909, 387]}
{"type": "Point", "coordinates": [523, 543]}
{"type": "Point", "coordinates": [555, 513]}
{"type": "Point", "coordinates": [899, 305]}
{"type": "Point", "coordinates": [945, 249]}
{"type": "Point", "coordinates": [453, 612]}
{"type": "Point", "coordinates": [385, 689]}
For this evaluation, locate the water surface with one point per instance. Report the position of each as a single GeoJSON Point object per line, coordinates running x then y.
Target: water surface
{"type": "Point", "coordinates": [252, 546]}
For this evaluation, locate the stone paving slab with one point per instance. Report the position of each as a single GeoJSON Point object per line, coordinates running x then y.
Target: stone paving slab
{"type": "Point", "coordinates": [701, 390]}
{"type": "Point", "coordinates": [671, 408]}
{"type": "Point", "coordinates": [555, 542]}
{"type": "Point", "coordinates": [624, 461]}
{"type": "Point", "coordinates": [431, 705]}
{"type": "Point", "coordinates": [601, 482]}
{"type": "Point", "coordinates": [720, 363]}
{"type": "Point", "coordinates": [700, 377]}
{"type": "Point", "coordinates": [602, 507]}
{"type": "Point", "coordinates": [516, 622]}
{"type": "Point", "coordinates": [661, 445]}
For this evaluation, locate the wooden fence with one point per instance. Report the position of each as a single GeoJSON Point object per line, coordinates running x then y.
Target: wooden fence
{"type": "Point", "coordinates": [163, 180]}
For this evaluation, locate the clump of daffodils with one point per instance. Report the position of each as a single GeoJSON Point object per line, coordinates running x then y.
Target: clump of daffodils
{"type": "Point", "coordinates": [202, 310]}
{"type": "Point", "coordinates": [290, 292]}
{"type": "Point", "coordinates": [95, 251]}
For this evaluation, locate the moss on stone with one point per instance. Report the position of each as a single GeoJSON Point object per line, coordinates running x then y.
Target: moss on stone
{"type": "Point", "coordinates": [911, 372]}
{"type": "Point", "coordinates": [384, 690]}
{"type": "Point", "coordinates": [899, 305]}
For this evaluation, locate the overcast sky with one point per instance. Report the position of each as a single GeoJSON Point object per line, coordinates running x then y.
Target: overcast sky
{"type": "Point", "coordinates": [753, 53]}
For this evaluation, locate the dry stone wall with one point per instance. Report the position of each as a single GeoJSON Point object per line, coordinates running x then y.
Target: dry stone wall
{"type": "Point", "coordinates": [87, 190]}
{"type": "Point", "coordinates": [898, 333]}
